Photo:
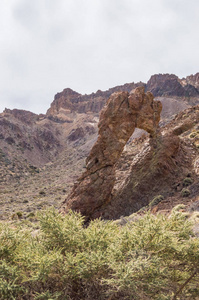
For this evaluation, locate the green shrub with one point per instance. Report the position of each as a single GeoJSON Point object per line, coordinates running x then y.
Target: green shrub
{"type": "Point", "coordinates": [48, 295]}
{"type": "Point", "coordinates": [178, 208]}
{"type": "Point", "coordinates": [154, 257]}
{"type": "Point", "coordinates": [193, 134]}
{"type": "Point", "coordinates": [187, 181]}
{"type": "Point", "coordinates": [156, 200]}
{"type": "Point", "coordinates": [8, 275]}
{"type": "Point", "coordinates": [30, 215]}
{"type": "Point", "coordinates": [185, 192]}
{"type": "Point", "coordinates": [19, 214]}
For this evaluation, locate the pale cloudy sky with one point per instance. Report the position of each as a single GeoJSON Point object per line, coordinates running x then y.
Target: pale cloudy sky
{"type": "Point", "coordinates": [49, 45]}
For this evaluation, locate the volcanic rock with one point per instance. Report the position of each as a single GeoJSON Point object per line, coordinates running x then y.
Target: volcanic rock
{"type": "Point", "coordinates": [51, 148]}
{"type": "Point", "coordinates": [70, 101]}
{"type": "Point", "coordinates": [192, 80]}
{"type": "Point", "coordinates": [118, 120]}
{"type": "Point", "coordinates": [171, 85]}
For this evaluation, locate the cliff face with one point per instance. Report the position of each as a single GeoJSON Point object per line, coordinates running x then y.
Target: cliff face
{"type": "Point", "coordinates": [177, 94]}
{"type": "Point", "coordinates": [69, 101]}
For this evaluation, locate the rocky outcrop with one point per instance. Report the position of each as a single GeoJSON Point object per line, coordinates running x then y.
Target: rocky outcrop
{"type": "Point", "coordinates": [158, 166]}
{"type": "Point", "coordinates": [24, 116]}
{"type": "Point", "coordinates": [151, 173]}
{"type": "Point", "coordinates": [161, 85]}
{"type": "Point", "coordinates": [192, 80]}
{"type": "Point", "coordinates": [170, 85]}
{"type": "Point", "coordinates": [65, 100]}
{"type": "Point", "coordinates": [70, 101]}
{"type": "Point", "coordinates": [80, 133]}
{"type": "Point", "coordinates": [118, 120]}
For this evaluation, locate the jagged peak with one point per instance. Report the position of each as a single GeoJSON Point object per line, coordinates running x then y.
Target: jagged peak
{"type": "Point", "coordinates": [171, 85]}
{"type": "Point", "coordinates": [67, 92]}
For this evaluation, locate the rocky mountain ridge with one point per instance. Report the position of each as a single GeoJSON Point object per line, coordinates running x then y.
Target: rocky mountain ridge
{"type": "Point", "coordinates": [72, 116]}
{"type": "Point", "coordinates": [160, 85]}
{"type": "Point", "coordinates": [168, 159]}
{"type": "Point", "coordinates": [36, 147]}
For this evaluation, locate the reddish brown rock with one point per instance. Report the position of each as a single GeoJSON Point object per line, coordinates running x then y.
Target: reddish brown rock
{"type": "Point", "coordinates": [71, 101]}
{"type": "Point", "coordinates": [118, 120]}
{"type": "Point", "coordinates": [153, 170]}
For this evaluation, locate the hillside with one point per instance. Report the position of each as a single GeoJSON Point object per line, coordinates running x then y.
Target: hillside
{"type": "Point", "coordinates": [43, 155]}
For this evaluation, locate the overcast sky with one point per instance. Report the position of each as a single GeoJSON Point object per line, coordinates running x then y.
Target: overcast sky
{"type": "Point", "coordinates": [49, 45]}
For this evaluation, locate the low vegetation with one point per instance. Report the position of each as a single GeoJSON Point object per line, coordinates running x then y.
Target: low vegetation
{"type": "Point", "coordinates": [154, 257]}
{"type": "Point", "coordinates": [187, 181]}
{"type": "Point", "coordinates": [185, 192]}
{"type": "Point", "coordinates": [156, 200]}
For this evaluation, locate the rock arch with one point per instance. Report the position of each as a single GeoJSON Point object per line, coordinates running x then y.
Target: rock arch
{"type": "Point", "coordinates": [122, 113]}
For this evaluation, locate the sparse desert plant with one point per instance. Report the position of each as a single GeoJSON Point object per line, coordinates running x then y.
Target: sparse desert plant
{"type": "Point", "coordinates": [43, 193]}
{"type": "Point", "coordinates": [156, 200]}
{"type": "Point", "coordinates": [178, 208]}
{"type": "Point", "coordinates": [193, 134]}
{"type": "Point", "coordinates": [185, 192]}
{"type": "Point", "coordinates": [30, 215]}
{"type": "Point", "coordinates": [187, 181]}
{"type": "Point", "coordinates": [17, 215]}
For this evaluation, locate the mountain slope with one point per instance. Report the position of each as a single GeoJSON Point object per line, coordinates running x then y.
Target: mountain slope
{"type": "Point", "coordinates": [42, 155]}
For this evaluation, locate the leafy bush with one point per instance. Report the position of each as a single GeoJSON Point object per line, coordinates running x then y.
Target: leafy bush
{"type": "Point", "coordinates": [154, 257]}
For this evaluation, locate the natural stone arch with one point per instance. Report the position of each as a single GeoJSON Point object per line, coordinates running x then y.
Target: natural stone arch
{"type": "Point", "coordinates": [118, 120]}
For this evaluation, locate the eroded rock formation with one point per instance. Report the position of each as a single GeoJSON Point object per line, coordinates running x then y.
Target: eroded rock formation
{"type": "Point", "coordinates": [118, 120]}
{"type": "Point", "coordinates": [71, 101]}
{"type": "Point", "coordinates": [170, 85]}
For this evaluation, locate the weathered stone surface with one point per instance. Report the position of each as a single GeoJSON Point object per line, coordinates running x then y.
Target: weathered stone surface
{"type": "Point", "coordinates": [192, 80]}
{"type": "Point", "coordinates": [28, 136]}
{"type": "Point", "coordinates": [171, 85]}
{"type": "Point", "coordinates": [155, 169]}
{"type": "Point", "coordinates": [93, 103]}
{"type": "Point", "coordinates": [165, 85]}
{"type": "Point", "coordinates": [118, 120]}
